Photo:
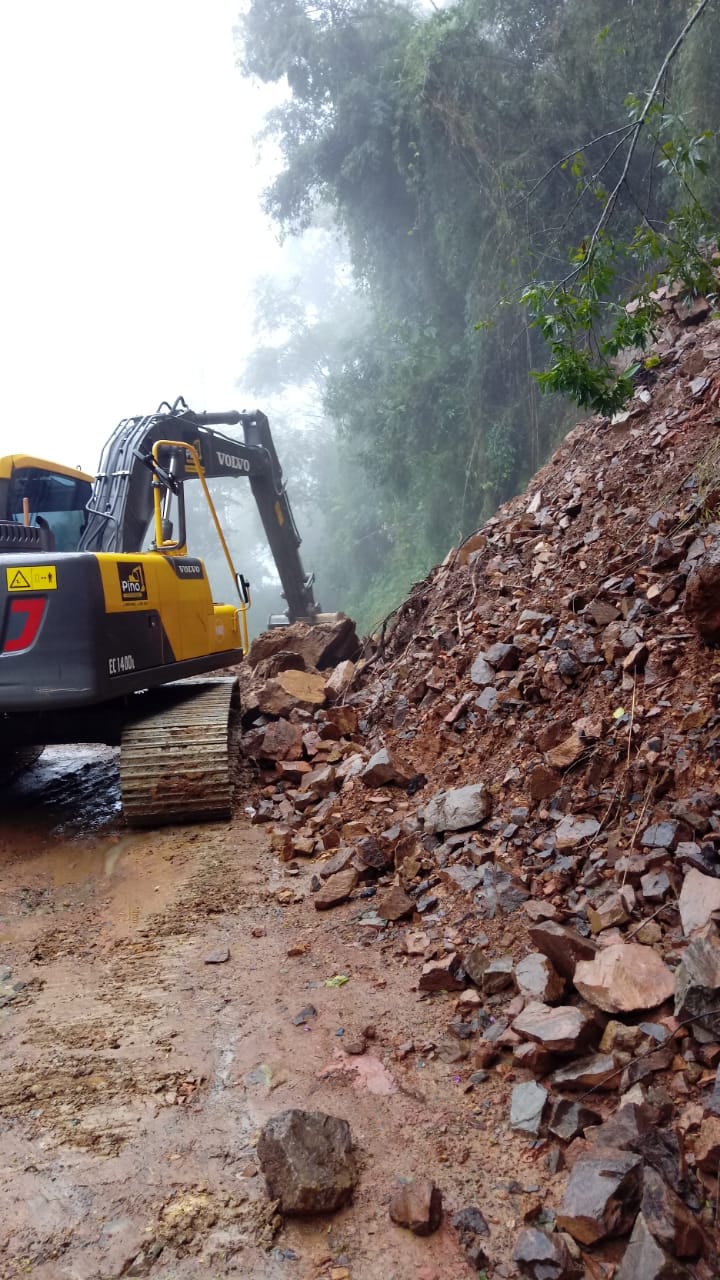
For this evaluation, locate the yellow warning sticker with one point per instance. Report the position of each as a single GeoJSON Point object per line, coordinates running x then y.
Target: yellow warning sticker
{"type": "Point", "coordinates": [36, 577]}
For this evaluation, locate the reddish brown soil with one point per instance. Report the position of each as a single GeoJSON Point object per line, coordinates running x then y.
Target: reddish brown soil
{"type": "Point", "coordinates": [136, 1076]}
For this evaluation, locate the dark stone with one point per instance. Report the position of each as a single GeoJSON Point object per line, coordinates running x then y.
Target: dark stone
{"type": "Point", "coordinates": [702, 596]}
{"type": "Point", "coordinates": [417, 1205]}
{"type": "Point", "coordinates": [544, 1257]}
{"type": "Point", "coordinates": [504, 657]}
{"type": "Point", "coordinates": [563, 946]}
{"type": "Point", "coordinates": [527, 1107]}
{"type": "Point", "coordinates": [635, 1127]}
{"type": "Point", "coordinates": [304, 1015]}
{"type": "Point", "coordinates": [457, 809]}
{"type": "Point", "coordinates": [695, 810]}
{"type": "Point", "coordinates": [396, 904]}
{"type": "Point", "coordinates": [569, 1119]}
{"type": "Point", "coordinates": [712, 1104]}
{"type": "Point", "coordinates": [597, 1071]}
{"type": "Point", "coordinates": [442, 975]}
{"type": "Point", "coordinates": [697, 984]}
{"type": "Point", "coordinates": [498, 976]}
{"type": "Point", "coordinates": [661, 835]}
{"type": "Point", "coordinates": [645, 1260]}
{"type": "Point", "coordinates": [307, 1160]}
{"type": "Point", "coordinates": [602, 1195]}
{"type": "Point", "coordinates": [382, 770]}
{"type": "Point", "coordinates": [668, 1220]}
{"type": "Point", "coordinates": [471, 1226]}
{"type": "Point", "coordinates": [532, 1057]}
{"type": "Point", "coordinates": [499, 893]}
{"type": "Point", "coordinates": [370, 857]}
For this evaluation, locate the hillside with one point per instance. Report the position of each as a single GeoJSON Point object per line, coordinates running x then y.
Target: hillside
{"type": "Point", "coordinates": [516, 784]}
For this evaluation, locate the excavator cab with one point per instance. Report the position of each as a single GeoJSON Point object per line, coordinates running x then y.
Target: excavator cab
{"type": "Point", "coordinates": [42, 505]}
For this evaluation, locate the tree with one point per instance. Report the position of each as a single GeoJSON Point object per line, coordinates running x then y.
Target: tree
{"type": "Point", "coordinates": [445, 146]}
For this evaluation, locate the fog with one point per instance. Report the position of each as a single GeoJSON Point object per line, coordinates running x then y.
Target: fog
{"type": "Point", "coordinates": [132, 219]}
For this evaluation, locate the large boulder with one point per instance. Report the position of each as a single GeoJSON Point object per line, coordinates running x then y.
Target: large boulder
{"type": "Point", "coordinates": [624, 977]}
{"type": "Point", "coordinates": [308, 1161]}
{"type": "Point", "coordinates": [322, 645]}
{"type": "Point", "coordinates": [602, 1196]}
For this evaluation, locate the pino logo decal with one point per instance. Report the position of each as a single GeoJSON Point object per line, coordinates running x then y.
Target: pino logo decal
{"type": "Point", "coordinates": [132, 582]}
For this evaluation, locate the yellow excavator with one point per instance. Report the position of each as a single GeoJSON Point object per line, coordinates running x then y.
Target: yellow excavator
{"type": "Point", "coordinates": [106, 621]}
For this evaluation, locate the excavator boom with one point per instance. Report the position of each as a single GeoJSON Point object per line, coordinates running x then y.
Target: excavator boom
{"type": "Point", "coordinates": [122, 504]}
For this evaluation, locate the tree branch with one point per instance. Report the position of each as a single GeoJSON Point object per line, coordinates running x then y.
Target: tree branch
{"type": "Point", "coordinates": [637, 128]}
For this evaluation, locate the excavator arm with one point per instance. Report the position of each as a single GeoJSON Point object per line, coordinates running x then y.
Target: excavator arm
{"type": "Point", "coordinates": [121, 506]}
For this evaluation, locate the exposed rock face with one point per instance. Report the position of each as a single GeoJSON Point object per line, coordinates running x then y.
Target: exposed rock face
{"type": "Point", "coordinates": [396, 904]}
{"type": "Point", "coordinates": [602, 1195]}
{"type": "Point", "coordinates": [597, 1071]}
{"type": "Point", "coordinates": [458, 809]}
{"type": "Point", "coordinates": [290, 689]}
{"type": "Point", "coordinates": [417, 1205]}
{"type": "Point", "coordinates": [576, 830]}
{"type": "Point", "coordinates": [707, 1146]}
{"type": "Point", "coordinates": [308, 1162]}
{"type": "Point", "coordinates": [625, 977]}
{"type": "Point", "coordinates": [442, 975]}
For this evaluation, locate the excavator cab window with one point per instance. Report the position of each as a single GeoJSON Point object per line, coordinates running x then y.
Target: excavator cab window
{"type": "Point", "coordinates": [56, 501]}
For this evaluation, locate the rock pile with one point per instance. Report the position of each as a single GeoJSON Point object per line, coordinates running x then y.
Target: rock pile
{"type": "Point", "coordinates": [516, 781]}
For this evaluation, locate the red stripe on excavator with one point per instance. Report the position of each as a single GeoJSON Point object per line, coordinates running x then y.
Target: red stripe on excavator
{"type": "Point", "coordinates": [33, 608]}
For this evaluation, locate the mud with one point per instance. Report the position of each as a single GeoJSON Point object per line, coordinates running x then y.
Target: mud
{"type": "Point", "coordinates": [136, 1075]}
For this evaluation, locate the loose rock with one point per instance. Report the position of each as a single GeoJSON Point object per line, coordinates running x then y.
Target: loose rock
{"type": "Point", "coordinates": [417, 1205]}
{"type": "Point", "coordinates": [539, 1256]}
{"type": "Point", "coordinates": [336, 889]}
{"type": "Point", "coordinates": [458, 809]}
{"type": "Point", "coordinates": [645, 1260]}
{"type": "Point", "coordinates": [625, 977]}
{"type": "Point", "coordinates": [527, 1107]}
{"type": "Point", "coordinates": [562, 1029]}
{"type": "Point", "coordinates": [308, 1162]}
{"type": "Point", "coordinates": [602, 1196]}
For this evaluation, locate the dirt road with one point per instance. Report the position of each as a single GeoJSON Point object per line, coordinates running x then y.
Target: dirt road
{"type": "Point", "coordinates": [149, 1024]}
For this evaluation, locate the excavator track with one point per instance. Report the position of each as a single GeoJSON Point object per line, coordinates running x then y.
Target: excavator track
{"type": "Point", "coordinates": [175, 761]}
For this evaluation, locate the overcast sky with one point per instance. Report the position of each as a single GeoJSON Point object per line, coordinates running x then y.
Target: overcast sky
{"type": "Point", "coordinates": [132, 226]}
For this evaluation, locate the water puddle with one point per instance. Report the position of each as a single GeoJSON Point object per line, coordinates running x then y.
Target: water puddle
{"type": "Point", "coordinates": [69, 790]}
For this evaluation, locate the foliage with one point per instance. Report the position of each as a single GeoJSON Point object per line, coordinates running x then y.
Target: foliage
{"type": "Point", "coordinates": [461, 153]}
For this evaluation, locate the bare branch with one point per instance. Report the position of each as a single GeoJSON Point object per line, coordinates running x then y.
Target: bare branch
{"type": "Point", "coordinates": [637, 128]}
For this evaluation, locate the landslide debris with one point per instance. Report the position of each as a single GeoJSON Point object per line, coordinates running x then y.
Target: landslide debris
{"type": "Point", "coordinates": [515, 784]}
